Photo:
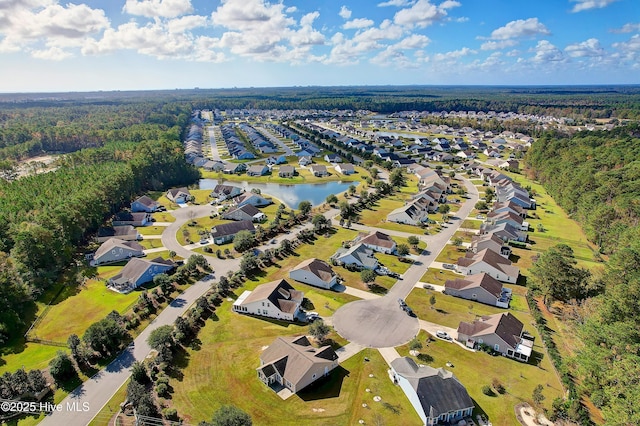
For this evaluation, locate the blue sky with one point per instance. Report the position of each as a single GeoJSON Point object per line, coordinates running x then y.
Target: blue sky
{"type": "Point", "coordinates": [51, 45]}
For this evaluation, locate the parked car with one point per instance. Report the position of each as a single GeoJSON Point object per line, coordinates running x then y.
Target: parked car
{"type": "Point", "coordinates": [448, 266]}
{"type": "Point", "coordinates": [312, 316]}
{"type": "Point", "coordinates": [408, 310]}
{"type": "Point", "coordinates": [443, 335]}
{"type": "Point", "coordinates": [204, 240]}
{"type": "Point", "coordinates": [402, 303]}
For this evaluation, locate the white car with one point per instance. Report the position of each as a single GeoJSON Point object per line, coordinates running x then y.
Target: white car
{"type": "Point", "coordinates": [443, 335]}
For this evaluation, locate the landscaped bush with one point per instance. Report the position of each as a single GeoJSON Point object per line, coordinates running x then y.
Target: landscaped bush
{"type": "Point", "coordinates": [486, 389]}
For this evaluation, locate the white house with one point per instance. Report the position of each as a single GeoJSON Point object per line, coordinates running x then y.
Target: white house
{"type": "Point", "coordinates": [436, 394]}
{"type": "Point", "coordinates": [489, 262]}
{"type": "Point", "coordinates": [358, 255]}
{"type": "Point", "coordinates": [378, 241]}
{"type": "Point", "coordinates": [116, 250]}
{"type": "Point", "coordinates": [314, 272]}
{"type": "Point", "coordinates": [277, 299]}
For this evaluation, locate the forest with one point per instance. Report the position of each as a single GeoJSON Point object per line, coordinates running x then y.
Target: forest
{"type": "Point", "coordinates": [116, 153]}
{"type": "Point", "coordinates": [595, 176]}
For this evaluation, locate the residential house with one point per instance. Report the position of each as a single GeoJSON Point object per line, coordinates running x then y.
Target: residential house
{"type": "Point", "coordinates": [358, 255]}
{"type": "Point", "coordinates": [234, 168]}
{"type": "Point", "coordinates": [179, 195]}
{"type": "Point", "coordinates": [252, 198]}
{"type": "Point", "coordinates": [287, 171]}
{"type": "Point", "coordinates": [378, 241]}
{"type": "Point", "coordinates": [510, 164]}
{"type": "Point", "coordinates": [314, 272]}
{"type": "Point", "coordinates": [133, 219]}
{"type": "Point", "coordinates": [332, 158]}
{"type": "Point", "coordinates": [144, 204]}
{"type": "Point", "coordinates": [319, 170]}
{"type": "Point", "coordinates": [276, 299]}
{"type": "Point", "coordinates": [126, 233]}
{"type": "Point", "coordinates": [346, 169]}
{"type": "Point", "coordinates": [506, 232]}
{"type": "Point", "coordinates": [436, 394]}
{"type": "Point", "coordinates": [481, 288]}
{"type": "Point", "coordinates": [116, 250]}
{"type": "Point", "coordinates": [506, 217]}
{"type": "Point", "coordinates": [305, 160]}
{"type": "Point", "coordinates": [294, 364]}
{"type": "Point", "coordinates": [491, 242]}
{"type": "Point", "coordinates": [258, 170]}
{"type": "Point", "coordinates": [245, 212]}
{"type": "Point", "coordinates": [507, 206]}
{"type": "Point", "coordinates": [489, 262]}
{"type": "Point", "coordinates": [139, 271]}
{"type": "Point", "coordinates": [503, 333]}
{"type": "Point", "coordinates": [213, 166]}
{"type": "Point", "coordinates": [281, 159]}
{"type": "Point", "coordinates": [223, 192]}
{"type": "Point", "coordinates": [225, 232]}
{"type": "Point", "coordinates": [412, 213]}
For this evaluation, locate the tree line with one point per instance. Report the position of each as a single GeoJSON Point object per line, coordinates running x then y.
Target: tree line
{"type": "Point", "coordinates": [595, 176]}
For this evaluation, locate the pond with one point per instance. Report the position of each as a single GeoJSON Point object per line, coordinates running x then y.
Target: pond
{"type": "Point", "coordinates": [291, 195]}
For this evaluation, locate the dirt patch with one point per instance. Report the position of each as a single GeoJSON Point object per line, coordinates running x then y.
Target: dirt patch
{"type": "Point", "coordinates": [527, 416]}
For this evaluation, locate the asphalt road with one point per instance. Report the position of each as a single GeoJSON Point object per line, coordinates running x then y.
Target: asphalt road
{"type": "Point", "coordinates": [380, 323]}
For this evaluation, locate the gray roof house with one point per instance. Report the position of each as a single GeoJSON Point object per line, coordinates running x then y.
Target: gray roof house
{"type": "Point", "coordinates": [245, 212]}
{"type": "Point", "coordinates": [490, 241]}
{"type": "Point", "coordinates": [358, 255]}
{"type": "Point", "coordinates": [137, 272]}
{"type": "Point", "coordinates": [116, 250]}
{"type": "Point", "coordinates": [258, 170]}
{"type": "Point", "coordinates": [490, 262]}
{"type": "Point", "coordinates": [133, 219]}
{"type": "Point", "coordinates": [314, 272]}
{"type": "Point", "coordinates": [225, 232]}
{"type": "Point", "coordinates": [126, 232]}
{"type": "Point", "coordinates": [144, 204]}
{"type": "Point", "coordinates": [294, 363]}
{"type": "Point", "coordinates": [504, 333]}
{"type": "Point", "coordinates": [481, 288]}
{"type": "Point", "coordinates": [345, 169]}
{"type": "Point", "coordinates": [253, 199]}
{"type": "Point", "coordinates": [319, 170]}
{"type": "Point", "coordinates": [224, 192]}
{"type": "Point", "coordinates": [178, 195]}
{"type": "Point", "coordinates": [287, 171]}
{"type": "Point", "coordinates": [436, 394]}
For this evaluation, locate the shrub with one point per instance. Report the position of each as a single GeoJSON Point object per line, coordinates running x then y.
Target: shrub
{"type": "Point", "coordinates": [486, 389]}
{"type": "Point", "coordinates": [162, 389]}
{"type": "Point", "coordinates": [170, 414]}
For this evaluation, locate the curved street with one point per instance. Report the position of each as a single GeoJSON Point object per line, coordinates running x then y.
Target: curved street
{"type": "Point", "coordinates": [377, 322]}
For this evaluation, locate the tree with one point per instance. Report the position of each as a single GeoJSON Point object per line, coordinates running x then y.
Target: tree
{"type": "Point", "coordinates": [555, 275]}
{"type": "Point", "coordinates": [481, 205]}
{"type": "Point", "coordinates": [457, 242]}
{"type": "Point", "coordinates": [320, 223]}
{"type": "Point", "coordinates": [319, 330]}
{"type": "Point", "coordinates": [243, 241]}
{"type": "Point", "coordinates": [415, 344]}
{"type": "Point", "coordinates": [489, 193]}
{"type": "Point", "coordinates": [444, 208]}
{"type": "Point", "coordinates": [432, 300]}
{"type": "Point", "coordinates": [452, 174]}
{"type": "Point", "coordinates": [286, 246]}
{"type": "Point", "coordinates": [402, 249]}
{"type": "Point", "coordinates": [172, 254]}
{"type": "Point", "coordinates": [74, 344]}
{"type": "Point", "coordinates": [331, 199]}
{"type": "Point", "coordinates": [139, 372]}
{"type": "Point", "coordinates": [413, 240]}
{"type": "Point", "coordinates": [164, 282]}
{"type": "Point", "coordinates": [61, 368]}
{"type": "Point", "coordinates": [229, 415]}
{"type": "Point", "coordinates": [367, 276]}
{"type": "Point", "coordinates": [161, 337]}
{"type": "Point", "coordinates": [304, 207]}
{"type": "Point", "coordinates": [538, 397]}
{"type": "Point", "coordinates": [248, 263]}
{"type": "Point", "coordinates": [397, 178]}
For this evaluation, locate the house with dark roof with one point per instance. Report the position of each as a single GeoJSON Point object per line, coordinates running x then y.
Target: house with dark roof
{"type": "Point", "coordinates": [507, 217]}
{"type": "Point", "coordinates": [503, 333]}
{"type": "Point", "coordinates": [489, 262]}
{"type": "Point", "coordinates": [490, 241]}
{"type": "Point", "coordinates": [332, 158]}
{"type": "Point", "coordinates": [245, 212]}
{"type": "Point", "coordinates": [277, 299]}
{"type": "Point", "coordinates": [294, 363]}
{"type": "Point", "coordinates": [506, 232]}
{"type": "Point", "coordinates": [144, 204]}
{"type": "Point", "coordinates": [314, 272]}
{"type": "Point", "coordinates": [225, 232]}
{"type": "Point", "coordinates": [358, 255]}
{"type": "Point", "coordinates": [133, 219]}
{"type": "Point", "coordinates": [480, 288]}
{"type": "Point", "coordinates": [116, 250]}
{"type": "Point", "coordinates": [436, 394]}
{"type": "Point", "coordinates": [225, 192]}
{"type": "Point", "coordinates": [412, 213]}
{"type": "Point", "coordinates": [179, 195]}
{"type": "Point", "coordinates": [137, 272]}
{"type": "Point", "coordinates": [126, 233]}
{"type": "Point", "coordinates": [378, 241]}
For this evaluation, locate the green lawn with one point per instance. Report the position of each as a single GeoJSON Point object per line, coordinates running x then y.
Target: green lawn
{"type": "Point", "coordinates": [438, 276]}
{"type": "Point", "coordinates": [471, 224]}
{"type": "Point", "coordinates": [465, 235]}
{"type": "Point", "coordinates": [150, 230]}
{"type": "Point", "coordinates": [151, 243]}
{"type": "Point", "coordinates": [222, 371]}
{"type": "Point", "coordinates": [476, 369]}
{"type": "Point", "coordinates": [163, 217]}
{"type": "Point", "coordinates": [451, 254]}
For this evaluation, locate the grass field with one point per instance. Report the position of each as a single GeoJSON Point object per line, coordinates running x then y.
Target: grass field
{"type": "Point", "coordinates": [471, 224]}
{"type": "Point", "coordinates": [303, 175]}
{"type": "Point", "coordinates": [450, 254]}
{"type": "Point", "coordinates": [465, 235]}
{"type": "Point", "coordinates": [150, 230]}
{"type": "Point", "coordinates": [222, 371]}
{"type": "Point", "coordinates": [151, 243]}
{"type": "Point", "coordinates": [476, 369]}
{"type": "Point", "coordinates": [438, 276]}
{"type": "Point", "coordinates": [163, 217]}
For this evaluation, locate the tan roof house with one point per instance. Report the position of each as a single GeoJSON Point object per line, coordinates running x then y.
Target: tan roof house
{"type": "Point", "coordinates": [277, 299]}
{"type": "Point", "coordinates": [294, 363]}
{"type": "Point", "coordinates": [480, 288]}
{"type": "Point", "coordinates": [314, 272]}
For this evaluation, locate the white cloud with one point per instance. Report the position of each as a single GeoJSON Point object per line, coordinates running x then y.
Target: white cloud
{"type": "Point", "coordinates": [588, 48]}
{"type": "Point", "coordinates": [547, 52]}
{"type": "Point", "coordinates": [358, 23]}
{"type": "Point", "coordinates": [520, 28]}
{"type": "Point", "coordinates": [186, 23]}
{"type": "Point", "coordinates": [395, 58]}
{"type": "Point", "coordinates": [627, 28]}
{"type": "Point", "coordinates": [422, 13]}
{"type": "Point", "coordinates": [51, 54]}
{"type": "Point", "coordinates": [344, 13]}
{"type": "Point", "coordinates": [396, 3]}
{"type": "Point", "coordinates": [453, 55]}
{"type": "Point", "coordinates": [590, 4]}
{"type": "Point", "coordinates": [414, 41]}
{"type": "Point", "coordinates": [629, 49]}
{"type": "Point", "coordinates": [496, 45]}
{"type": "Point", "coordinates": [158, 8]}
{"type": "Point", "coordinates": [306, 35]}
